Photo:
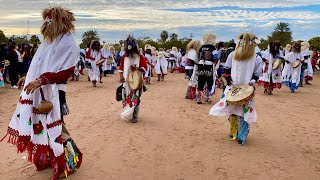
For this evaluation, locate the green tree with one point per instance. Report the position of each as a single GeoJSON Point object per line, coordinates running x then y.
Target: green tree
{"type": "Point", "coordinates": [89, 36]}
{"type": "Point", "coordinates": [264, 44]}
{"type": "Point", "coordinates": [226, 44]}
{"type": "Point", "coordinates": [179, 43]}
{"type": "Point", "coordinates": [173, 36]}
{"type": "Point", "coordinates": [3, 38]}
{"type": "Point", "coordinates": [83, 45]}
{"type": "Point", "coordinates": [164, 36]}
{"type": "Point", "coordinates": [282, 27]}
{"type": "Point", "coordinates": [19, 39]}
{"type": "Point", "coordinates": [281, 33]}
{"type": "Point", "coordinates": [34, 39]}
{"type": "Point", "coordinates": [315, 42]}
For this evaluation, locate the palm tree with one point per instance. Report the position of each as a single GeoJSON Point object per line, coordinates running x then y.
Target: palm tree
{"type": "Point", "coordinates": [282, 27]}
{"type": "Point", "coordinates": [174, 36]}
{"type": "Point", "coordinates": [164, 36]}
{"type": "Point", "coordinates": [281, 33]}
{"type": "Point", "coordinates": [89, 36]}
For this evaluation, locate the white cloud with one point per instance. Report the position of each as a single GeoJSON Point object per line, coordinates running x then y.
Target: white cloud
{"type": "Point", "coordinates": [148, 17]}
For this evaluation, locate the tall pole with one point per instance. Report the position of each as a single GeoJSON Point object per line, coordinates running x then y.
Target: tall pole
{"type": "Point", "coordinates": [28, 30]}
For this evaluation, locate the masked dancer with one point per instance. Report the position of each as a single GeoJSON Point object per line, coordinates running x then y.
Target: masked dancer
{"type": "Point", "coordinates": [291, 72]}
{"type": "Point", "coordinates": [271, 77]}
{"type": "Point", "coordinates": [37, 125]}
{"type": "Point", "coordinates": [245, 68]}
{"type": "Point", "coordinates": [94, 55]}
{"type": "Point", "coordinates": [161, 65]}
{"type": "Point", "coordinates": [132, 60]}
{"type": "Point", "coordinates": [149, 57]}
{"type": "Point", "coordinates": [191, 67]}
{"type": "Point", "coordinates": [306, 69]}
{"type": "Point", "coordinates": [208, 57]}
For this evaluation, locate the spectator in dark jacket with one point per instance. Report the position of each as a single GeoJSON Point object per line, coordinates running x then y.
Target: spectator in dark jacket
{"type": "Point", "coordinates": [26, 56]}
{"type": "Point", "coordinates": [33, 50]}
{"type": "Point", "coordinates": [13, 68]}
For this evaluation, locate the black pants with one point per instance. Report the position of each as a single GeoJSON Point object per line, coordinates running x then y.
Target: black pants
{"type": "Point", "coordinates": [21, 69]}
{"type": "Point", "coordinates": [189, 73]}
{"type": "Point", "coordinates": [172, 64]}
{"type": "Point", "coordinates": [13, 74]}
{"type": "Point", "coordinates": [27, 63]}
{"type": "Point", "coordinates": [205, 77]}
{"type": "Point", "coordinates": [81, 65]}
{"type": "Point", "coordinates": [62, 100]}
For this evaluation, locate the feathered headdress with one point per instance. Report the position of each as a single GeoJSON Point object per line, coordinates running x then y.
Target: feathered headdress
{"type": "Point", "coordinates": [304, 46]}
{"type": "Point", "coordinates": [246, 46]}
{"type": "Point", "coordinates": [194, 44]}
{"type": "Point", "coordinates": [288, 47]}
{"type": "Point", "coordinates": [131, 42]}
{"type": "Point", "coordinates": [106, 47]}
{"type": "Point", "coordinates": [209, 38]}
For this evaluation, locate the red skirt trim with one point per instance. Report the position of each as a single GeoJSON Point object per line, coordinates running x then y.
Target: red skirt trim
{"type": "Point", "coordinates": [266, 84]}
{"type": "Point", "coordinates": [309, 78]}
{"type": "Point", "coordinates": [41, 155]}
{"type": "Point", "coordinates": [54, 124]}
{"type": "Point", "coordinates": [25, 101]}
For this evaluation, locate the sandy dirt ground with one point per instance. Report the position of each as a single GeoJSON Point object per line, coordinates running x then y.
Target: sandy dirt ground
{"type": "Point", "coordinates": [176, 139]}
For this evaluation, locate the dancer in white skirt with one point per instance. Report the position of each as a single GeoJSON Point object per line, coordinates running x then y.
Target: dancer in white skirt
{"type": "Point", "coordinates": [94, 55]}
{"type": "Point", "coordinates": [153, 59]}
{"type": "Point", "coordinates": [108, 52]}
{"type": "Point", "coordinates": [271, 78]}
{"type": "Point", "coordinates": [245, 69]}
{"type": "Point", "coordinates": [113, 57]}
{"type": "Point", "coordinates": [107, 65]}
{"type": "Point", "coordinates": [291, 75]}
{"type": "Point", "coordinates": [173, 59]}
{"type": "Point", "coordinates": [191, 67]}
{"type": "Point", "coordinates": [161, 65]}
{"type": "Point", "coordinates": [148, 55]}
{"type": "Point", "coordinates": [287, 50]}
{"type": "Point", "coordinates": [306, 69]}
{"type": "Point", "coordinates": [132, 60]}
{"type": "Point", "coordinates": [43, 135]}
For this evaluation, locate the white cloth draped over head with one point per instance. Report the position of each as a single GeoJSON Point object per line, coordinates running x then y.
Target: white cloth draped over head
{"type": "Point", "coordinates": [61, 54]}
{"type": "Point", "coordinates": [149, 60]}
{"type": "Point", "coordinates": [161, 64]}
{"type": "Point", "coordinates": [309, 70]}
{"type": "Point", "coordinates": [107, 55]}
{"type": "Point", "coordinates": [290, 74]}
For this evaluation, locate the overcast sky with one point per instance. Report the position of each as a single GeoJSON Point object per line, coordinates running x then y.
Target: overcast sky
{"type": "Point", "coordinates": [115, 19]}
